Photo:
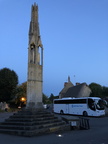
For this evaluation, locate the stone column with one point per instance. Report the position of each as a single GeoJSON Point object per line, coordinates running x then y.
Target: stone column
{"type": "Point", "coordinates": [35, 63]}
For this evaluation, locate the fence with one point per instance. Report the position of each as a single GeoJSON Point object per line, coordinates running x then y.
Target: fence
{"type": "Point", "coordinates": [84, 123]}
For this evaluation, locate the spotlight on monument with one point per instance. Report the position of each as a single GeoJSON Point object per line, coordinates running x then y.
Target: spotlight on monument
{"type": "Point", "coordinates": [59, 135]}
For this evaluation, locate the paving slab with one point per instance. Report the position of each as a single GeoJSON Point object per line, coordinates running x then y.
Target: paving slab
{"type": "Point", "coordinates": [5, 115]}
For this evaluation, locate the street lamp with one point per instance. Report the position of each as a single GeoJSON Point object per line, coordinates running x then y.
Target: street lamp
{"type": "Point", "coordinates": [23, 99]}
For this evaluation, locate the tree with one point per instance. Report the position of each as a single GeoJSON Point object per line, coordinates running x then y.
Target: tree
{"type": "Point", "coordinates": [96, 90]}
{"type": "Point", "coordinates": [21, 92]}
{"type": "Point", "coordinates": [46, 99]}
{"type": "Point", "coordinates": [51, 98]}
{"type": "Point", "coordinates": [105, 91]}
{"type": "Point", "coordinates": [8, 83]}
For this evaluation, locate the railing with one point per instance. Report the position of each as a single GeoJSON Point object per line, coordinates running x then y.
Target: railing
{"type": "Point", "coordinates": [84, 123]}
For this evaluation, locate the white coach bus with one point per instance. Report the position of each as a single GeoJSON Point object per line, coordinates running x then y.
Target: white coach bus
{"type": "Point", "coordinates": [86, 106]}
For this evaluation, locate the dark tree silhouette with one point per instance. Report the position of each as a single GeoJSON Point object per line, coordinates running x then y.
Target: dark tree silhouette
{"type": "Point", "coordinates": [8, 83]}
{"type": "Point", "coordinates": [96, 90]}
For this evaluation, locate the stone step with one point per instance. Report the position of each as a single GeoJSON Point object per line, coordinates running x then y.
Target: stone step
{"type": "Point", "coordinates": [31, 116]}
{"type": "Point", "coordinates": [36, 132]}
{"type": "Point", "coordinates": [29, 119]}
{"type": "Point", "coordinates": [33, 112]}
{"type": "Point", "coordinates": [27, 127]}
{"type": "Point", "coordinates": [30, 123]}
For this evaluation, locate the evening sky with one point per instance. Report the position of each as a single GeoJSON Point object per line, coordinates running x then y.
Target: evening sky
{"type": "Point", "coordinates": [74, 34]}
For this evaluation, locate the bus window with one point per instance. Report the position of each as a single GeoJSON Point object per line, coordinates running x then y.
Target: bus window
{"type": "Point", "coordinates": [99, 105]}
{"type": "Point", "coordinates": [91, 104]}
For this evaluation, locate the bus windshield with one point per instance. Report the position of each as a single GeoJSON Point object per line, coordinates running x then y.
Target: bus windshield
{"type": "Point", "coordinates": [99, 104]}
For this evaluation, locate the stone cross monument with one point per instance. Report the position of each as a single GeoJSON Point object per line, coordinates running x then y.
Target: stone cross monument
{"type": "Point", "coordinates": [35, 62]}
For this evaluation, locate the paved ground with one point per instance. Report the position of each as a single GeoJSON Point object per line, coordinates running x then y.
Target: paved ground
{"type": "Point", "coordinates": [97, 134]}
{"type": "Point", "coordinates": [5, 115]}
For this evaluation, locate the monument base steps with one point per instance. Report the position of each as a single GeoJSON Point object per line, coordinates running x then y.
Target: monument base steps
{"type": "Point", "coordinates": [32, 123]}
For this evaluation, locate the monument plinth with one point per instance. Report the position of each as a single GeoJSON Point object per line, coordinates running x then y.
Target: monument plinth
{"type": "Point", "coordinates": [35, 63]}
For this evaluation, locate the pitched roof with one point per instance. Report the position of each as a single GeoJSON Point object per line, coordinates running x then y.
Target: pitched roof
{"type": "Point", "coordinates": [74, 91]}
{"type": "Point", "coordinates": [67, 85]}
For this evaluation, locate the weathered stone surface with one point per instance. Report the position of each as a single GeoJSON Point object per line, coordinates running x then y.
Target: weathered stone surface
{"type": "Point", "coordinates": [32, 123]}
{"type": "Point", "coordinates": [35, 63]}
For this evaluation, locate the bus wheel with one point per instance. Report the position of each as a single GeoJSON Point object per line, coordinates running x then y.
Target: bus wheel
{"type": "Point", "coordinates": [61, 112]}
{"type": "Point", "coordinates": [85, 113]}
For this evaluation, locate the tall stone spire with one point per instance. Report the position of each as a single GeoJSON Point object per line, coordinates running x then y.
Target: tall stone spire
{"type": "Point", "coordinates": [35, 62]}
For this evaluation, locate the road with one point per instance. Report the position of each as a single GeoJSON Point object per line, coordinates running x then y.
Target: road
{"type": "Point", "coordinates": [97, 134]}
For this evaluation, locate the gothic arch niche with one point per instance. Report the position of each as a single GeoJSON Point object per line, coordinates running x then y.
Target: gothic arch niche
{"type": "Point", "coordinates": [32, 52]}
{"type": "Point", "coordinates": [40, 56]}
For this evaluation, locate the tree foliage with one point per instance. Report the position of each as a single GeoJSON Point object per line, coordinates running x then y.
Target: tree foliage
{"type": "Point", "coordinates": [105, 91]}
{"type": "Point", "coordinates": [96, 90]}
{"type": "Point", "coordinates": [21, 92]}
{"type": "Point", "coordinates": [52, 97]}
{"type": "Point", "coordinates": [46, 99]}
{"type": "Point", "coordinates": [8, 83]}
